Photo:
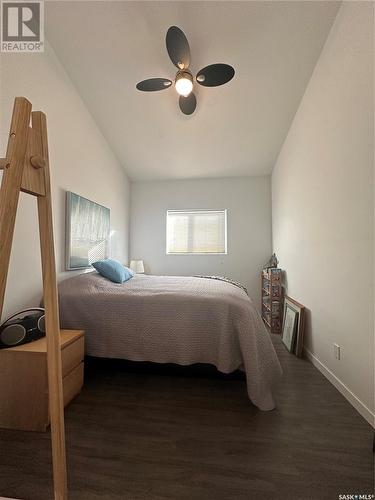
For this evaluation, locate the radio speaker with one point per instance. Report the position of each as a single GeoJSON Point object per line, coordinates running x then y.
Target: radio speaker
{"type": "Point", "coordinates": [22, 327]}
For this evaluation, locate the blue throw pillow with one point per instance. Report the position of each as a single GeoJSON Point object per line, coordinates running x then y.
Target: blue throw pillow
{"type": "Point", "coordinates": [113, 270]}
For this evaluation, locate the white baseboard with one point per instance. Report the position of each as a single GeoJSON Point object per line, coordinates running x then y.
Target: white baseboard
{"type": "Point", "coordinates": [340, 386]}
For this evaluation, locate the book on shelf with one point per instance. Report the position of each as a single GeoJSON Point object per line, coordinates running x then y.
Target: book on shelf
{"type": "Point", "coordinates": [275, 307]}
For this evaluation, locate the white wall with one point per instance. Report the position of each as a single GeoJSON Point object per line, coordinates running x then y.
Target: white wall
{"type": "Point", "coordinates": [323, 218]}
{"type": "Point", "coordinates": [248, 201]}
{"type": "Point", "coordinates": [80, 159]}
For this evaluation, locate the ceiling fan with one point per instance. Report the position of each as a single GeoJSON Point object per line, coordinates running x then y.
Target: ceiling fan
{"type": "Point", "coordinates": [179, 52]}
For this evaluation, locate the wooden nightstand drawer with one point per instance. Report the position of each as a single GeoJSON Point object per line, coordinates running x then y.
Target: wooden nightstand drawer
{"type": "Point", "coordinates": [72, 355]}
{"type": "Point", "coordinates": [24, 385]}
{"type": "Point", "coordinates": [72, 384]}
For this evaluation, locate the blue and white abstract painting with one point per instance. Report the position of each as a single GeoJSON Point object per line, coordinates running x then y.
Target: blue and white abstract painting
{"type": "Point", "coordinates": [88, 231]}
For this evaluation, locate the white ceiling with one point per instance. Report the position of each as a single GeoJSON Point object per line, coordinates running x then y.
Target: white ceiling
{"type": "Point", "coordinates": [238, 128]}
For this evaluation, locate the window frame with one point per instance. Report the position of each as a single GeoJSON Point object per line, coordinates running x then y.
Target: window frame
{"type": "Point", "coordinates": [192, 210]}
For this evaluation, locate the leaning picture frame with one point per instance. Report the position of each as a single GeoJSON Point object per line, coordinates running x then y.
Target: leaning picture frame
{"type": "Point", "coordinates": [293, 326]}
{"type": "Point", "coordinates": [290, 323]}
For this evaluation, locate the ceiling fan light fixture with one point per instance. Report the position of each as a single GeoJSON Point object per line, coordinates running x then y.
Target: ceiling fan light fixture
{"type": "Point", "coordinates": [178, 50]}
{"type": "Point", "coordinates": [184, 83]}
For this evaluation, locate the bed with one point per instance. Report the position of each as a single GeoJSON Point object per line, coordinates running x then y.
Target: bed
{"type": "Point", "coordinates": [173, 319]}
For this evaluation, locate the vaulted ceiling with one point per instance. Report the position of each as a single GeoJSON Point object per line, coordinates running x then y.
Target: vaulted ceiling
{"type": "Point", "coordinates": [237, 129]}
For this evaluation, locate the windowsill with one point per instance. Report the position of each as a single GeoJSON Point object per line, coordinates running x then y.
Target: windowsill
{"type": "Point", "coordinates": [196, 253]}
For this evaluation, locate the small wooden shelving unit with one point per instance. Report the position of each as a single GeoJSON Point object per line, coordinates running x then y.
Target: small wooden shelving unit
{"type": "Point", "coordinates": [272, 299]}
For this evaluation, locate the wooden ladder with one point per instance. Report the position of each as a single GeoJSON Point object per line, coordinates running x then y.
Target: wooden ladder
{"type": "Point", "coordinates": [26, 168]}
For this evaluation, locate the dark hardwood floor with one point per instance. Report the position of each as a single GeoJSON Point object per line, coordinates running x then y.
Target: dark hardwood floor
{"type": "Point", "coordinates": [138, 436]}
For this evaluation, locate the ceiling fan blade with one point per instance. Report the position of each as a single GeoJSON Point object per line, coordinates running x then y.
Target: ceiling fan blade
{"type": "Point", "coordinates": [153, 84]}
{"type": "Point", "coordinates": [188, 104]}
{"type": "Point", "coordinates": [178, 47]}
{"type": "Point", "coordinates": [215, 75]}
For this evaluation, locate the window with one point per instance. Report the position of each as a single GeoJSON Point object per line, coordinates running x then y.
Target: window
{"type": "Point", "coordinates": [196, 231]}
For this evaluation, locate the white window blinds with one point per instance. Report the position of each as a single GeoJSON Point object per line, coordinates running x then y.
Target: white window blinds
{"type": "Point", "coordinates": [196, 231]}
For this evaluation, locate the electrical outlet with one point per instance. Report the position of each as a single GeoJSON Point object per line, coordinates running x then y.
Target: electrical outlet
{"type": "Point", "coordinates": [337, 352]}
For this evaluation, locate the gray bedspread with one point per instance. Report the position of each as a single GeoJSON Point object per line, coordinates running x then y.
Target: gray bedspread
{"type": "Point", "coordinates": [173, 319]}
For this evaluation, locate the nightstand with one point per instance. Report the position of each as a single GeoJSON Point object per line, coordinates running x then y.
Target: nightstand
{"type": "Point", "coordinates": [24, 384]}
